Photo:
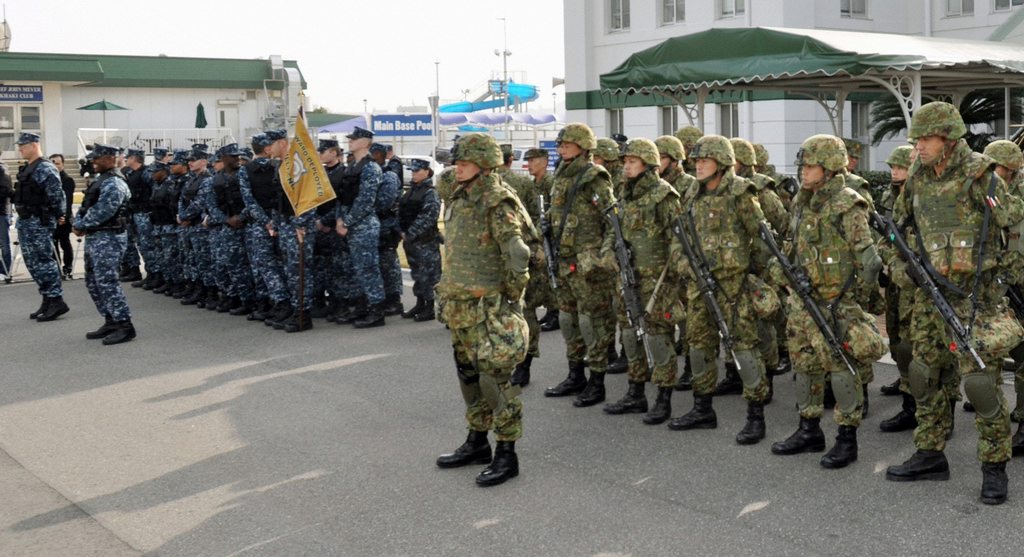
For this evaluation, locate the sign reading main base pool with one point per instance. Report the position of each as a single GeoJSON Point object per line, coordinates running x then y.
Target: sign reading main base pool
{"type": "Point", "coordinates": [401, 124]}
{"type": "Point", "coordinates": [550, 145]}
{"type": "Point", "coordinates": [21, 93]}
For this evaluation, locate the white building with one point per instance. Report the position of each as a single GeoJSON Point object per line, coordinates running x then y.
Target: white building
{"type": "Point", "coordinates": [601, 34]}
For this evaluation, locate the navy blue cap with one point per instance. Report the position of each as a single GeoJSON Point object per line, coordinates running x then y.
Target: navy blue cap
{"type": "Point", "coordinates": [101, 150]}
{"type": "Point", "coordinates": [136, 153]}
{"type": "Point", "coordinates": [229, 150]}
{"type": "Point", "coordinates": [378, 148]}
{"type": "Point", "coordinates": [160, 152]}
{"type": "Point", "coordinates": [419, 164]}
{"type": "Point", "coordinates": [360, 133]}
{"type": "Point", "coordinates": [276, 134]}
{"type": "Point", "coordinates": [261, 140]}
{"type": "Point", "coordinates": [158, 166]}
{"type": "Point", "coordinates": [390, 147]}
{"type": "Point", "coordinates": [180, 156]}
{"type": "Point", "coordinates": [199, 151]}
{"type": "Point", "coordinates": [326, 144]}
{"type": "Point", "coordinates": [27, 137]}
{"type": "Point", "coordinates": [247, 153]}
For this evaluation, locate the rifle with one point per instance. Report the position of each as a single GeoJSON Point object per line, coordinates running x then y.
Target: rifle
{"type": "Point", "coordinates": [549, 250]}
{"type": "Point", "coordinates": [629, 286]}
{"type": "Point", "coordinates": [1016, 298]}
{"type": "Point", "coordinates": [800, 284]}
{"type": "Point", "coordinates": [924, 280]}
{"type": "Point", "coordinates": [708, 284]}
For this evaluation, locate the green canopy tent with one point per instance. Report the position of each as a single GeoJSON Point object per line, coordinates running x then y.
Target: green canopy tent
{"type": "Point", "coordinates": [826, 66]}
{"type": "Point", "coordinates": [103, 105]}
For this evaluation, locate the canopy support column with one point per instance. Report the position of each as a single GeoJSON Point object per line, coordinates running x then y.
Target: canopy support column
{"type": "Point", "coordinates": [906, 88]}
{"type": "Point", "coordinates": [694, 112]}
{"type": "Point", "coordinates": [834, 107]}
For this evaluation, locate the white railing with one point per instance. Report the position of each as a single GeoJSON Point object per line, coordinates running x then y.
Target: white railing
{"type": "Point", "coordinates": [147, 139]}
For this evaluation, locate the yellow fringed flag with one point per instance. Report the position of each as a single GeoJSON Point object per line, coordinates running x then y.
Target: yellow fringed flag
{"type": "Point", "coordinates": [302, 175]}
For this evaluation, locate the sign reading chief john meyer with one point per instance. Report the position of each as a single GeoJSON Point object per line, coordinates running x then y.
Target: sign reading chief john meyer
{"type": "Point", "coordinates": [21, 93]}
{"type": "Point", "coordinates": [402, 124]}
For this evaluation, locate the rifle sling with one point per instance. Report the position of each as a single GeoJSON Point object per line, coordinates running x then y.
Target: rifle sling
{"type": "Point", "coordinates": [569, 199]}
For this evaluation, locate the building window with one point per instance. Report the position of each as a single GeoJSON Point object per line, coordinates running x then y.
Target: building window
{"type": "Point", "coordinates": [853, 8]}
{"type": "Point", "coordinates": [619, 15]}
{"type": "Point", "coordinates": [668, 119]}
{"type": "Point", "coordinates": [615, 121]}
{"type": "Point", "coordinates": [731, 8]}
{"type": "Point", "coordinates": [729, 120]}
{"type": "Point", "coordinates": [860, 124]}
{"type": "Point", "coordinates": [673, 11]}
{"type": "Point", "coordinates": [1005, 5]}
{"type": "Point", "coordinates": [959, 7]}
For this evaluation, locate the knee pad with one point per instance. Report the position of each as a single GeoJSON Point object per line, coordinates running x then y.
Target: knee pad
{"type": "Point", "coordinates": [630, 344]}
{"type": "Point", "coordinates": [803, 389]}
{"type": "Point", "coordinates": [922, 379]}
{"type": "Point", "coordinates": [847, 390]}
{"type": "Point", "coordinates": [699, 362]}
{"type": "Point", "coordinates": [902, 353]}
{"type": "Point", "coordinates": [662, 349]}
{"type": "Point", "coordinates": [587, 329]}
{"type": "Point", "coordinates": [568, 323]}
{"type": "Point", "coordinates": [983, 393]}
{"type": "Point", "coordinates": [751, 368]}
{"type": "Point", "coordinates": [496, 397]}
{"type": "Point", "coordinates": [469, 382]}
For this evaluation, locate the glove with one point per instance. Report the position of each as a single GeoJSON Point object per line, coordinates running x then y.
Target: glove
{"type": "Point", "coordinates": [898, 274]}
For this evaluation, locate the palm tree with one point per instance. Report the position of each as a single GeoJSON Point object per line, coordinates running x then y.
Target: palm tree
{"type": "Point", "coordinates": [983, 106]}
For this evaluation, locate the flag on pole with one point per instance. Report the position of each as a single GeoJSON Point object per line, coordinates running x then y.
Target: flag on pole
{"type": "Point", "coordinates": [302, 175]}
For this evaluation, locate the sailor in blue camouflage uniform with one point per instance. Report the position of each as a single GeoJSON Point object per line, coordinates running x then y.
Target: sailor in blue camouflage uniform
{"type": "Point", "coordinates": [327, 240]}
{"type": "Point", "coordinates": [163, 212]}
{"type": "Point", "coordinates": [226, 220]}
{"type": "Point", "coordinates": [196, 250]}
{"type": "Point", "coordinates": [140, 229]}
{"type": "Point", "coordinates": [357, 222]}
{"type": "Point", "coordinates": [260, 189]}
{"type": "Point", "coordinates": [40, 202]}
{"type": "Point", "coordinates": [155, 278]}
{"type": "Point", "coordinates": [418, 210]}
{"type": "Point", "coordinates": [103, 220]}
{"type": "Point", "coordinates": [134, 165]}
{"type": "Point", "coordinates": [390, 231]}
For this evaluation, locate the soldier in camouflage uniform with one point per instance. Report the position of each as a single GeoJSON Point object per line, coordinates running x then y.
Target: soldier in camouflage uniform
{"type": "Point", "coordinates": [688, 136]}
{"type": "Point", "coordinates": [386, 206]}
{"type": "Point", "coordinates": [543, 181]}
{"type": "Point", "coordinates": [418, 210]}
{"type": "Point", "coordinates": [1009, 161]}
{"type": "Point", "coordinates": [833, 245]}
{"type": "Point", "coordinates": [785, 186]}
{"type": "Point", "coordinates": [196, 248]}
{"type": "Point", "coordinates": [164, 202]}
{"type": "Point", "coordinates": [951, 196]}
{"type": "Point", "coordinates": [647, 210]}
{"type": "Point", "coordinates": [608, 154]}
{"type": "Point", "coordinates": [583, 240]}
{"type": "Point", "coordinates": [226, 221]}
{"type": "Point", "coordinates": [103, 218]}
{"type": "Point", "coordinates": [326, 244]}
{"type": "Point", "coordinates": [722, 218]}
{"type": "Point", "coordinates": [480, 296]}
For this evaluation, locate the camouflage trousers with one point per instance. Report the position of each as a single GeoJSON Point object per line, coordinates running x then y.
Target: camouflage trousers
{"type": "Point", "coordinates": [702, 334]}
{"type": "Point", "coordinates": [131, 252]}
{"type": "Point", "coordinates": [390, 272]}
{"type": "Point", "coordinates": [660, 324]}
{"type": "Point", "coordinates": [538, 293]}
{"type": "Point", "coordinates": [1018, 383]}
{"type": "Point", "coordinates": [935, 366]}
{"type": "Point", "coordinates": [265, 262]}
{"type": "Point", "coordinates": [36, 241]}
{"type": "Point", "coordinates": [362, 242]}
{"type": "Point", "coordinates": [485, 355]}
{"type": "Point", "coordinates": [344, 282]}
{"type": "Point", "coordinates": [103, 251]}
{"type": "Point", "coordinates": [170, 258]}
{"type": "Point", "coordinates": [230, 264]}
{"type": "Point", "coordinates": [586, 317]}
{"type": "Point", "coordinates": [289, 242]}
{"type": "Point", "coordinates": [424, 265]}
{"type": "Point", "coordinates": [144, 238]}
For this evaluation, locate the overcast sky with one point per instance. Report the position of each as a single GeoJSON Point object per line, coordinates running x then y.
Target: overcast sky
{"type": "Point", "coordinates": [348, 50]}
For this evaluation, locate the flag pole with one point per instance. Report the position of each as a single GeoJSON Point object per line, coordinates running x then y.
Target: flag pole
{"type": "Point", "coordinates": [300, 234]}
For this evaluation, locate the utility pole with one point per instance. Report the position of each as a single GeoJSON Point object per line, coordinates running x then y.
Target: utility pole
{"type": "Point", "coordinates": [505, 53]}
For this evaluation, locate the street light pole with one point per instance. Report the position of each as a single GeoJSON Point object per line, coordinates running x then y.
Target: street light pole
{"type": "Point", "coordinates": [505, 53]}
{"type": "Point", "coordinates": [436, 107]}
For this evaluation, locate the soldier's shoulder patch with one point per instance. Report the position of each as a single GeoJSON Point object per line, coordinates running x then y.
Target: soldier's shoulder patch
{"type": "Point", "coordinates": [847, 198]}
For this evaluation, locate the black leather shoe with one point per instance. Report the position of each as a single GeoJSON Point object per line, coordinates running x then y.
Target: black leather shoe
{"type": "Point", "coordinates": [123, 332]}
{"type": "Point", "coordinates": [702, 416]}
{"type": "Point", "coordinates": [104, 330]}
{"type": "Point", "coordinates": [993, 483]}
{"type": "Point", "coordinates": [504, 467]}
{"type": "Point", "coordinates": [633, 402]}
{"type": "Point", "coordinates": [56, 308]}
{"type": "Point", "coordinates": [892, 389]}
{"type": "Point", "coordinates": [844, 452]}
{"type": "Point", "coordinates": [808, 438]}
{"type": "Point", "coordinates": [922, 465]}
{"type": "Point", "coordinates": [753, 430]}
{"type": "Point", "coordinates": [521, 375]}
{"type": "Point", "coordinates": [905, 420]}
{"type": "Point", "coordinates": [573, 384]}
{"type": "Point", "coordinates": [593, 393]}
{"type": "Point", "coordinates": [662, 407]}
{"type": "Point", "coordinates": [476, 450]}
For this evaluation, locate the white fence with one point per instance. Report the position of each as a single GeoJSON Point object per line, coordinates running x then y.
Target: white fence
{"type": "Point", "coordinates": [147, 139]}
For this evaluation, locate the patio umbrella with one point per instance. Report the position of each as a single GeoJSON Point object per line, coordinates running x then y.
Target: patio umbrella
{"type": "Point", "coordinates": [103, 105]}
{"type": "Point", "coordinates": [201, 116]}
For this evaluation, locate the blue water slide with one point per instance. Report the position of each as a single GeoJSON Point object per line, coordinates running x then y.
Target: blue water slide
{"type": "Point", "coordinates": [517, 93]}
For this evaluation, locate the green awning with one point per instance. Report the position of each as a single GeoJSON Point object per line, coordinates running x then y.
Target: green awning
{"type": "Point", "coordinates": [43, 67]}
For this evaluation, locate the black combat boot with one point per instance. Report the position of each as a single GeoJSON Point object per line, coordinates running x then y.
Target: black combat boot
{"type": "Point", "coordinates": [785, 364]}
{"type": "Point", "coordinates": [55, 309]}
{"type": "Point", "coordinates": [550, 321]}
{"type": "Point", "coordinates": [634, 401]}
{"type": "Point", "coordinates": [198, 295]}
{"type": "Point", "coordinates": [867, 403]}
{"type": "Point", "coordinates": [67, 273]}
{"type": "Point", "coordinates": [156, 284]}
{"type": "Point", "coordinates": [123, 332]}
{"type": "Point", "coordinates": [279, 314]}
{"type": "Point", "coordinates": [753, 430]}
{"type": "Point", "coordinates": [226, 303]}
{"type": "Point", "coordinates": [392, 305]}
{"type": "Point", "coordinates": [476, 450]}
{"type": "Point", "coordinates": [731, 384]}
{"type": "Point", "coordinates": [968, 406]}
{"type": "Point", "coordinates": [320, 308]}
{"type": "Point", "coordinates": [162, 286]}
{"type": "Point", "coordinates": [993, 483]}
{"type": "Point", "coordinates": [295, 325]}
{"type": "Point", "coordinates": [105, 329]}
{"type": "Point", "coordinates": [593, 393]}
{"type": "Point", "coordinates": [42, 308]}
{"type": "Point", "coordinates": [411, 312]}
{"type": "Point", "coordinates": [904, 420]}
{"type": "Point", "coordinates": [212, 300]}
{"type": "Point", "coordinates": [244, 307]}
{"type": "Point", "coordinates": [952, 419]}
{"type": "Point", "coordinates": [150, 277]}
{"type": "Point", "coordinates": [131, 274]}
{"type": "Point", "coordinates": [374, 317]}
{"type": "Point", "coordinates": [617, 362]}
{"type": "Point", "coordinates": [662, 407]}
{"type": "Point", "coordinates": [844, 452]}
{"type": "Point", "coordinates": [1017, 442]}
{"type": "Point", "coordinates": [892, 389]}
{"type": "Point", "coordinates": [573, 384]}
{"type": "Point", "coordinates": [261, 311]}
{"type": "Point", "coordinates": [771, 388]}
{"type": "Point", "coordinates": [504, 467]}
{"type": "Point", "coordinates": [521, 375]}
{"type": "Point", "coordinates": [702, 416]}
{"type": "Point", "coordinates": [922, 465]}
{"type": "Point", "coordinates": [178, 291]}
{"type": "Point", "coordinates": [685, 382]}
{"type": "Point", "coordinates": [355, 313]}
{"type": "Point", "coordinates": [427, 313]}
{"type": "Point", "coordinates": [808, 438]}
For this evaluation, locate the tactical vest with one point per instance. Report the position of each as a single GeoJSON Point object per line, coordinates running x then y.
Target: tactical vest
{"type": "Point", "coordinates": [640, 226]}
{"type": "Point", "coordinates": [411, 204]}
{"type": "Point", "coordinates": [264, 187]}
{"type": "Point", "coordinates": [584, 225]}
{"type": "Point", "coordinates": [30, 196]}
{"type": "Point", "coordinates": [349, 181]}
{"type": "Point", "coordinates": [386, 204]}
{"type": "Point", "coordinates": [117, 222]}
{"type": "Point", "coordinates": [229, 195]}
{"type": "Point", "coordinates": [191, 189]}
{"type": "Point", "coordinates": [140, 189]}
{"type": "Point", "coordinates": [160, 207]}
{"type": "Point", "coordinates": [822, 249]}
{"type": "Point", "coordinates": [722, 237]}
{"type": "Point", "coordinates": [473, 262]}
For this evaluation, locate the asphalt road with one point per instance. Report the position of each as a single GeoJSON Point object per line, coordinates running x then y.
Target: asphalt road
{"type": "Point", "coordinates": [210, 435]}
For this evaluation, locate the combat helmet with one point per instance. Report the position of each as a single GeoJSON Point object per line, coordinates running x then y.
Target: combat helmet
{"type": "Point", "coordinates": [744, 151]}
{"type": "Point", "coordinates": [578, 133]}
{"type": "Point", "coordinates": [937, 118]}
{"type": "Point", "coordinates": [900, 156]}
{"type": "Point", "coordinates": [854, 148]}
{"type": "Point", "coordinates": [714, 147]}
{"type": "Point", "coordinates": [669, 145]}
{"type": "Point", "coordinates": [1005, 153]}
{"type": "Point", "coordinates": [607, 149]}
{"type": "Point", "coordinates": [689, 135]}
{"type": "Point", "coordinates": [643, 149]}
{"type": "Point", "coordinates": [479, 149]}
{"type": "Point", "coordinates": [760, 154]}
{"type": "Point", "coordinates": [823, 150]}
